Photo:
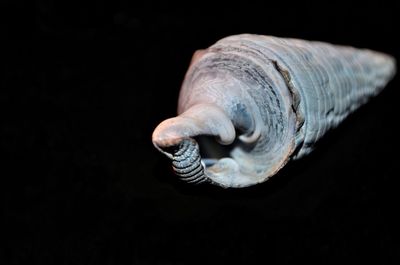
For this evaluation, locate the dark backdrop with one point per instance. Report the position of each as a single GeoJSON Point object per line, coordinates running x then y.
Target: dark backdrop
{"type": "Point", "coordinates": [83, 86]}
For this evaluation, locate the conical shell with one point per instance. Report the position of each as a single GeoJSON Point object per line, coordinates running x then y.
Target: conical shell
{"type": "Point", "coordinates": [282, 95]}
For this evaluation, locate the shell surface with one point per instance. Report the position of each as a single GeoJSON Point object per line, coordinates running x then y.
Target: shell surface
{"type": "Point", "coordinates": [266, 100]}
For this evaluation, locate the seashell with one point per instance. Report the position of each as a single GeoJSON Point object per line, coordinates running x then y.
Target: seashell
{"type": "Point", "coordinates": [265, 100]}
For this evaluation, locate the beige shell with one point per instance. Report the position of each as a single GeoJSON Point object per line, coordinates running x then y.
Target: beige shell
{"type": "Point", "coordinates": [266, 100]}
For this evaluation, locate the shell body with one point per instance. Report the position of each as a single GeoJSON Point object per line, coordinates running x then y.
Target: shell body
{"type": "Point", "coordinates": [268, 100]}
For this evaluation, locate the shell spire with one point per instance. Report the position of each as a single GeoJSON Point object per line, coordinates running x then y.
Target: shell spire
{"type": "Point", "coordinates": [267, 100]}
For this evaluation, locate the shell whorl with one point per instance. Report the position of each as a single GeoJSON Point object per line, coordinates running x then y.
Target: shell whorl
{"type": "Point", "coordinates": [186, 162]}
{"type": "Point", "coordinates": [277, 97]}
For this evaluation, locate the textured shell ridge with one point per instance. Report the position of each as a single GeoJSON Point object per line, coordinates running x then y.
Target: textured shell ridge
{"type": "Point", "coordinates": [281, 94]}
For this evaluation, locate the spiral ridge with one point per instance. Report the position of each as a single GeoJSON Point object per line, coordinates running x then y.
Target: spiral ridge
{"type": "Point", "coordinates": [186, 162]}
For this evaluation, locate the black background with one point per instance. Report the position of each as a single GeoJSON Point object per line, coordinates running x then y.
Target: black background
{"type": "Point", "coordinates": [84, 84]}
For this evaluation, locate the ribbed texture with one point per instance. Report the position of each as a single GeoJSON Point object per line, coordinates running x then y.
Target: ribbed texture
{"type": "Point", "coordinates": [332, 81]}
{"type": "Point", "coordinates": [187, 162]}
{"type": "Point", "coordinates": [286, 92]}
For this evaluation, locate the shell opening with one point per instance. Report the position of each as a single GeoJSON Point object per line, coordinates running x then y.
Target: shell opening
{"type": "Point", "coordinates": [221, 166]}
